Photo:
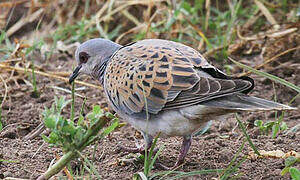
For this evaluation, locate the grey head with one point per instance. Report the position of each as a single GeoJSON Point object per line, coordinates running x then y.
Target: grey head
{"type": "Point", "coordinates": [92, 57]}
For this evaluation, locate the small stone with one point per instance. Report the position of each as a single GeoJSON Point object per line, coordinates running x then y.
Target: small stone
{"type": "Point", "coordinates": [7, 174]}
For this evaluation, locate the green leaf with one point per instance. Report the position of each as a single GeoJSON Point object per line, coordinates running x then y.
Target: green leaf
{"type": "Point", "coordinates": [269, 124]}
{"type": "Point", "coordinates": [79, 134]}
{"type": "Point", "coordinates": [290, 161]}
{"type": "Point", "coordinates": [45, 138]}
{"type": "Point", "coordinates": [80, 120]}
{"type": "Point", "coordinates": [50, 122]}
{"type": "Point", "coordinates": [97, 109]}
{"type": "Point", "coordinates": [258, 123]}
{"type": "Point", "coordinates": [267, 75]}
{"type": "Point", "coordinates": [69, 128]}
{"type": "Point", "coordinates": [53, 138]}
{"type": "Point", "coordinates": [283, 126]}
{"type": "Point", "coordinates": [2, 36]}
{"type": "Point", "coordinates": [187, 7]}
{"type": "Point", "coordinates": [295, 173]}
{"type": "Point", "coordinates": [109, 115]}
{"type": "Point", "coordinates": [241, 125]}
{"type": "Point", "coordinates": [275, 130]}
{"type": "Point", "coordinates": [61, 103]}
{"type": "Point", "coordinates": [111, 127]}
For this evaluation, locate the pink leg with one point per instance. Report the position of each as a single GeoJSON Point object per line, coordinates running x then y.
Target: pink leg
{"type": "Point", "coordinates": [184, 150]}
{"type": "Point", "coordinates": [185, 146]}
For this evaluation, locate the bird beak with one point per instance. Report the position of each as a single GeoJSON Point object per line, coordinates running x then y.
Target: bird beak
{"type": "Point", "coordinates": [74, 74]}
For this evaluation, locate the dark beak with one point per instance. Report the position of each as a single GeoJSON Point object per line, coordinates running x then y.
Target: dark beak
{"type": "Point", "coordinates": [74, 74]}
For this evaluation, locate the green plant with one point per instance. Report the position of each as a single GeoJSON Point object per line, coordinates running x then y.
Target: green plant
{"type": "Point", "coordinates": [149, 160]}
{"type": "Point", "coordinates": [231, 169]}
{"type": "Point", "coordinates": [265, 128]}
{"type": "Point", "coordinates": [243, 128]}
{"type": "Point", "coordinates": [289, 162]}
{"type": "Point", "coordinates": [73, 137]}
{"type": "Point", "coordinates": [269, 76]}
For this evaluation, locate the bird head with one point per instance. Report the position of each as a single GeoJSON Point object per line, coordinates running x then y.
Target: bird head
{"type": "Point", "coordinates": [92, 55]}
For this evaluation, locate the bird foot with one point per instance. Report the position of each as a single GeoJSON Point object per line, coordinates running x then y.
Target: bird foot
{"type": "Point", "coordinates": [131, 150]}
{"type": "Point", "coordinates": [159, 165]}
{"type": "Point", "coordinates": [140, 150]}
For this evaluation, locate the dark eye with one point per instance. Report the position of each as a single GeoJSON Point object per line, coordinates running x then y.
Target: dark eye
{"type": "Point", "coordinates": [83, 57]}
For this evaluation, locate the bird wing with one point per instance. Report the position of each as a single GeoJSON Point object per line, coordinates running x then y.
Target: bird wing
{"type": "Point", "coordinates": [153, 75]}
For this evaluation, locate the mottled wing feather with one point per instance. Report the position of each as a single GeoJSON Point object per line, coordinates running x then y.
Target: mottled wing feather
{"type": "Point", "coordinates": [157, 74]}
{"type": "Point", "coordinates": [207, 89]}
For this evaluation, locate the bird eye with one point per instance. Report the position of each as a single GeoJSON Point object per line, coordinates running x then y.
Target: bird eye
{"type": "Point", "coordinates": [83, 57]}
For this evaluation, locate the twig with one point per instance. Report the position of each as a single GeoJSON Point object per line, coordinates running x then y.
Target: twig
{"type": "Point", "coordinates": [5, 93]}
{"type": "Point", "coordinates": [37, 131]}
{"type": "Point", "coordinates": [13, 3]}
{"type": "Point", "coordinates": [131, 17]}
{"type": "Point", "coordinates": [208, 53]}
{"type": "Point", "coordinates": [48, 75]}
{"type": "Point", "coordinates": [207, 7]}
{"type": "Point", "coordinates": [269, 60]}
{"type": "Point", "coordinates": [24, 21]}
{"type": "Point", "coordinates": [65, 168]}
{"type": "Point", "coordinates": [38, 150]}
{"type": "Point", "coordinates": [266, 12]}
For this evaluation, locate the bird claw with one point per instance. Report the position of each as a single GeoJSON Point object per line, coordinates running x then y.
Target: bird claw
{"type": "Point", "coordinates": [166, 168]}
{"type": "Point", "coordinates": [131, 150]}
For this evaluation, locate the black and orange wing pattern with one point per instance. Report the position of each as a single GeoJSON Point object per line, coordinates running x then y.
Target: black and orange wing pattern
{"type": "Point", "coordinates": [153, 75]}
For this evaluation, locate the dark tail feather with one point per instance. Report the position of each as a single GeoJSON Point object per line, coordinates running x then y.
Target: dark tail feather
{"type": "Point", "coordinates": [242, 102]}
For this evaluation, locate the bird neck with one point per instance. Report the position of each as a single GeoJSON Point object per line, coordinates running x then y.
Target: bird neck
{"type": "Point", "coordinates": [99, 71]}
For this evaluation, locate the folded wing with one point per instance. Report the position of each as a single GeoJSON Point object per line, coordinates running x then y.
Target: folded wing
{"type": "Point", "coordinates": [154, 75]}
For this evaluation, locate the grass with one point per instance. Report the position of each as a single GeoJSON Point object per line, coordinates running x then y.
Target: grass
{"type": "Point", "coordinates": [277, 125]}
{"type": "Point", "coordinates": [231, 169]}
{"type": "Point", "coordinates": [269, 76]}
{"type": "Point", "coordinates": [243, 128]}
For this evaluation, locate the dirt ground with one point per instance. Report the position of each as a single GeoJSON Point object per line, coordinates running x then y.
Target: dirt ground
{"type": "Point", "coordinates": [213, 150]}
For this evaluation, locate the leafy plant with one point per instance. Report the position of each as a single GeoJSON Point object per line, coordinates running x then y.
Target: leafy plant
{"type": "Point", "coordinates": [267, 127]}
{"type": "Point", "coordinates": [73, 137]}
{"type": "Point", "coordinates": [294, 172]}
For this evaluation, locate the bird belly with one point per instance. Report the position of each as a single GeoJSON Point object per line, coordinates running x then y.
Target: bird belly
{"type": "Point", "coordinates": [179, 122]}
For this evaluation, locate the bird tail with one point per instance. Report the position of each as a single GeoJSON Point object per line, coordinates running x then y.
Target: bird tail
{"type": "Point", "coordinates": [242, 102]}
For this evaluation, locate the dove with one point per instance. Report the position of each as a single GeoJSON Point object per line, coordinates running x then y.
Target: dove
{"type": "Point", "coordinates": [164, 87]}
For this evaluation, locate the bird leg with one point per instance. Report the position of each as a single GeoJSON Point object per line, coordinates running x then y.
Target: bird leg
{"type": "Point", "coordinates": [185, 146]}
{"type": "Point", "coordinates": [186, 143]}
{"type": "Point", "coordinates": [148, 143]}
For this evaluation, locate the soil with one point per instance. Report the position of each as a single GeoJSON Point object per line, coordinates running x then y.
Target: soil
{"type": "Point", "coordinates": [213, 150]}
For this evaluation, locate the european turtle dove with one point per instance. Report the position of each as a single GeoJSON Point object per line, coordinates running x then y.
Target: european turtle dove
{"type": "Point", "coordinates": [161, 86]}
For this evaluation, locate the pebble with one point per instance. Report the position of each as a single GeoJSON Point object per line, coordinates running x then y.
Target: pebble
{"type": "Point", "coordinates": [7, 174]}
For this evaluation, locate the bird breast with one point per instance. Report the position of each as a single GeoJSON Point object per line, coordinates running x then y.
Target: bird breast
{"type": "Point", "coordinates": [179, 122]}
